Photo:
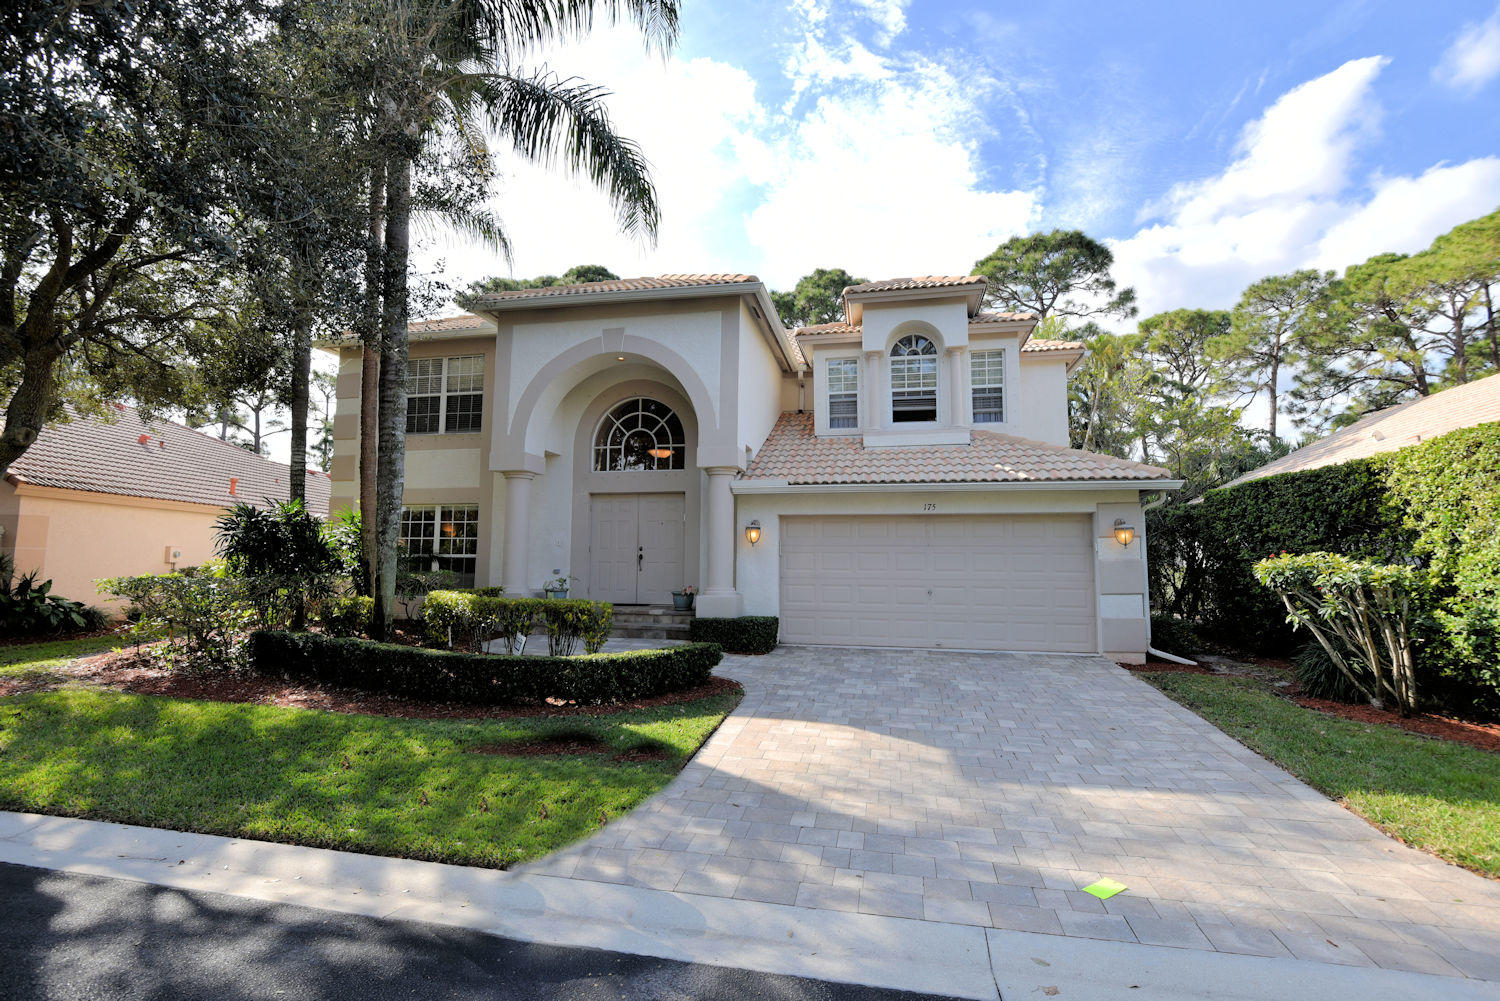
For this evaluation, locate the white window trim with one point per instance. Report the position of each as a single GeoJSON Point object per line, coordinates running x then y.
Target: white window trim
{"type": "Point", "coordinates": [828, 393]}
{"type": "Point", "coordinates": [1002, 384]}
{"type": "Point", "coordinates": [438, 510]}
{"type": "Point", "coordinates": [444, 392]}
{"type": "Point", "coordinates": [937, 382]}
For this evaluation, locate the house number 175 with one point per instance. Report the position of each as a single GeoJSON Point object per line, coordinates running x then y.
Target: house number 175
{"type": "Point", "coordinates": [929, 507]}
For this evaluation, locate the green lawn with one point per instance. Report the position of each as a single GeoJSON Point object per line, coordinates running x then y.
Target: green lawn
{"type": "Point", "coordinates": [371, 784]}
{"type": "Point", "coordinates": [37, 658]}
{"type": "Point", "coordinates": [1436, 795]}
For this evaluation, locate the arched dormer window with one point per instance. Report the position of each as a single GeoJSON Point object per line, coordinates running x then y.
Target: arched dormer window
{"type": "Point", "coordinates": [914, 378]}
{"type": "Point", "coordinates": [639, 434]}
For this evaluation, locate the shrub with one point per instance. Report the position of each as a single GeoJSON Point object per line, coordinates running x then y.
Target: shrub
{"type": "Point", "coordinates": [445, 676]}
{"type": "Point", "coordinates": [469, 619]}
{"type": "Point", "coordinates": [347, 615]}
{"type": "Point", "coordinates": [745, 634]}
{"type": "Point", "coordinates": [1201, 555]}
{"type": "Point", "coordinates": [1362, 614]}
{"type": "Point", "coordinates": [1174, 635]}
{"type": "Point", "coordinates": [281, 552]}
{"type": "Point", "coordinates": [27, 607]}
{"type": "Point", "coordinates": [1318, 676]}
{"type": "Point", "coordinates": [1449, 491]}
{"type": "Point", "coordinates": [201, 616]}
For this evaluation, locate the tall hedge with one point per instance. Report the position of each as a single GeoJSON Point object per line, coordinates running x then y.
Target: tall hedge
{"type": "Point", "coordinates": [1201, 554]}
{"type": "Point", "coordinates": [1434, 505]}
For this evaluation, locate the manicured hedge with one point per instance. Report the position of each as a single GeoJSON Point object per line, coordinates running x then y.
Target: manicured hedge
{"type": "Point", "coordinates": [416, 672]}
{"type": "Point", "coordinates": [469, 619]}
{"type": "Point", "coordinates": [1200, 554]}
{"type": "Point", "coordinates": [745, 634]}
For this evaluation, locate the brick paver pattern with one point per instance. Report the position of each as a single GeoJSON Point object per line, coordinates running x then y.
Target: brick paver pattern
{"type": "Point", "coordinates": [990, 789]}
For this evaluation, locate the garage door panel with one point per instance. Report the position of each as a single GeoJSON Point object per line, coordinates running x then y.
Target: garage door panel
{"type": "Point", "coordinates": [1000, 582]}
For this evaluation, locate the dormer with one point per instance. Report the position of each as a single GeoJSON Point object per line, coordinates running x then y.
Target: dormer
{"type": "Point", "coordinates": [916, 362]}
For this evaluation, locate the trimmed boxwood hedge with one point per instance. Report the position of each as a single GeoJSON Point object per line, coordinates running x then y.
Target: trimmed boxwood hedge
{"type": "Point", "coordinates": [416, 672]}
{"type": "Point", "coordinates": [469, 619]}
{"type": "Point", "coordinates": [745, 634]}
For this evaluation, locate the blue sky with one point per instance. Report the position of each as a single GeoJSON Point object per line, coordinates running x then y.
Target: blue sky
{"type": "Point", "coordinates": [1210, 144]}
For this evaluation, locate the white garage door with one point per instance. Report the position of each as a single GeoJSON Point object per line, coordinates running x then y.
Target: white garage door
{"type": "Point", "coordinates": [993, 582]}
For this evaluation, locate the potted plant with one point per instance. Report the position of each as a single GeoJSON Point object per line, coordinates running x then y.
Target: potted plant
{"type": "Point", "coordinates": [557, 587]}
{"type": "Point", "coordinates": [682, 601]}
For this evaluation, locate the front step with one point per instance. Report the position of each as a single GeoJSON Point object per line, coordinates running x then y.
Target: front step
{"type": "Point", "coordinates": [651, 622]}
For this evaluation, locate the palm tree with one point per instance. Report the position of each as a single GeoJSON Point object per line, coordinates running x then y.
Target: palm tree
{"type": "Point", "coordinates": [447, 70]}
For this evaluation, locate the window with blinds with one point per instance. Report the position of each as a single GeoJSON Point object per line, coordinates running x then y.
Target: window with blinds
{"type": "Point", "coordinates": [843, 393]}
{"type": "Point", "coordinates": [444, 395]}
{"type": "Point", "coordinates": [913, 380]}
{"type": "Point", "coordinates": [987, 386]}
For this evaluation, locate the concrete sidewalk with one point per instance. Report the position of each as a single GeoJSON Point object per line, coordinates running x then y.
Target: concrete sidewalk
{"type": "Point", "coordinates": [928, 956]}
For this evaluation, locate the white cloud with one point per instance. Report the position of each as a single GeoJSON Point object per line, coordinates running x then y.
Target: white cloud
{"type": "Point", "coordinates": [1473, 59]}
{"type": "Point", "coordinates": [1290, 199]}
{"type": "Point", "coordinates": [889, 16]}
{"type": "Point", "coordinates": [873, 165]}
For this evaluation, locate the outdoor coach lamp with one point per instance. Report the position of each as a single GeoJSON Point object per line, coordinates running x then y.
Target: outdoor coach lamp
{"type": "Point", "coordinates": [1123, 533]}
{"type": "Point", "coordinates": [752, 532]}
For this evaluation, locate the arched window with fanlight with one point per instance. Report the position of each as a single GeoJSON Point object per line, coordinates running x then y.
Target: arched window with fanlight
{"type": "Point", "coordinates": [914, 379]}
{"type": "Point", "coordinates": [640, 434]}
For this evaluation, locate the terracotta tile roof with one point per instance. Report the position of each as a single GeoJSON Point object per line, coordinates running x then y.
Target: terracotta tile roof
{"type": "Point", "coordinates": [925, 281]}
{"type": "Point", "coordinates": [173, 462]}
{"type": "Point", "coordinates": [1034, 344]}
{"type": "Point", "coordinates": [618, 285]}
{"type": "Point", "coordinates": [463, 321]}
{"type": "Point", "coordinates": [1042, 344]}
{"type": "Point", "coordinates": [1000, 317]}
{"type": "Point", "coordinates": [792, 452]}
{"type": "Point", "coordinates": [1393, 428]}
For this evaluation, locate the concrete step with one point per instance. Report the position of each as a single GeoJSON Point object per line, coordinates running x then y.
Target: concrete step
{"type": "Point", "coordinates": [662, 632]}
{"type": "Point", "coordinates": [650, 622]}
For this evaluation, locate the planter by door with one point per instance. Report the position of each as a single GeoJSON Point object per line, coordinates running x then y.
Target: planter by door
{"type": "Point", "coordinates": [682, 602]}
{"type": "Point", "coordinates": [556, 594]}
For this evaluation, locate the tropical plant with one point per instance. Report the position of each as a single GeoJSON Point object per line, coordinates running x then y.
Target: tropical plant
{"type": "Point", "coordinates": [282, 555]}
{"type": "Point", "coordinates": [1362, 614]}
{"type": "Point", "coordinates": [27, 607]}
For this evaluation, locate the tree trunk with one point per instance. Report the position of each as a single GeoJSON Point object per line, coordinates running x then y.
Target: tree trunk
{"type": "Point", "coordinates": [1489, 326]}
{"type": "Point", "coordinates": [369, 378]}
{"type": "Point", "coordinates": [26, 414]}
{"type": "Point", "coordinates": [1271, 390]}
{"type": "Point", "coordinates": [301, 375]}
{"type": "Point", "coordinates": [391, 463]}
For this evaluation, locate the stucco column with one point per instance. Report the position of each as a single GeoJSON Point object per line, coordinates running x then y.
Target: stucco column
{"type": "Point", "coordinates": [958, 396]}
{"type": "Point", "coordinates": [877, 405]}
{"type": "Point", "coordinates": [720, 598]}
{"type": "Point", "coordinates": [514, 558]}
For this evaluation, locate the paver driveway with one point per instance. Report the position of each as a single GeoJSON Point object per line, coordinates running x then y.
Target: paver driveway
{"type": "Point", "coordinates": [989, 789]}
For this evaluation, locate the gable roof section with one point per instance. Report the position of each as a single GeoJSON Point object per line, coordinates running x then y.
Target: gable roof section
{"type": "Point", "coordinates": [924, 282]}
{"type": "Point", "coordinates": [793, 453]}
{"type": "Point", "coordinates": [173, 462]}
{"type": "Point", "coordinates": [1393, 428]}
{"type": "Point", "coordinates": [614, 285]}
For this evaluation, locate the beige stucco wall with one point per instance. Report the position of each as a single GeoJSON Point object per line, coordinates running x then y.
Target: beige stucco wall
{"type": "Point", "coordinates": [73, 538]}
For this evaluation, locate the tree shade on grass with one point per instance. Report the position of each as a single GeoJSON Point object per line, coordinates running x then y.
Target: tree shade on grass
{"type": "Point", "coordinates": [383, 786]}
{"type": "Point", "coordinates": [38, 658]}
{"type": "Point", "coordinates": [1436, 795]}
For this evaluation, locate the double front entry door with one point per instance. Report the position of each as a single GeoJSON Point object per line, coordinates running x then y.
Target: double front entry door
{"type": "Point", "coordinates": [635, 548]}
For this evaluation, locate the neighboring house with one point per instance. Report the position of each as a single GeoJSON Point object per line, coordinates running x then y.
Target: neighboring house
{"type": "Point", "coordinates": [901, 478]}
{"type": "Point", "coordinates": [95, 499]}
{"type": "Point", "coordinates": [1410, 423]}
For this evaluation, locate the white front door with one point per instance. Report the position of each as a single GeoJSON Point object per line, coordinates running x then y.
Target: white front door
{"type": "Point", "coordinates": [635, 548]}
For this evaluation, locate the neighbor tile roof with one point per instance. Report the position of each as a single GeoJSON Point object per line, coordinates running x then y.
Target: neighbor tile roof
{"type": "Point", "coordinates": [172, 463]}
{"type": "Point", "coordinates": [463, 321]}
{"type": "Point", "coordinates": [1393, 428]}
{"type": "Point", "coordinates": [618, 285]}
{"type": "Point", "coordinates": [925, 281]}
{"type": "Point", "coordinates": [795, 454]}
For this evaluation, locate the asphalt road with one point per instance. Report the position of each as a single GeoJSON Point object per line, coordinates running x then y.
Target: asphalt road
{"type": "Point", "coordinates": [70, 938]}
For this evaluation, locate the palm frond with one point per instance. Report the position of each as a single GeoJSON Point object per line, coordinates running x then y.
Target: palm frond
{"type": "Point", "coordinates": [523, 24]}
{"type": "Point", "coordinates": [550, 121]}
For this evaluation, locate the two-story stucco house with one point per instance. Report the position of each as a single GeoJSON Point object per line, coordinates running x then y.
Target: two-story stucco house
{"type": "Point", "coordinates": [901, 478]}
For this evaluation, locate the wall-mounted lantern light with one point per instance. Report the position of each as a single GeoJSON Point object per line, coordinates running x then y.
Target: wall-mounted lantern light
{"type": "Point", "coordinates": [752, 532]}
{"type": "Point", "coordinates": [1124, 533]}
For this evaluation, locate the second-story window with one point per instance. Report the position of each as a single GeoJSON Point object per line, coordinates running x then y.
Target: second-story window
{"type": "Point", "coordinates": [913, 380]}
{"type": "Point", "coordinates": [843, 393]}
{"type": "Point", "coordinates": [444, 395]}
{"type": "Point", "coordinates": [987, 384]}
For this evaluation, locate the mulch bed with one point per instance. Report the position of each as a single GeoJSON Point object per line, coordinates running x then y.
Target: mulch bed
{"type": "Point", "coordinates": [128, 671]}
{"type": "Point", "coordinates": [1153, 666]}
{"type": "Point", "coordinates": [1485, 736]}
